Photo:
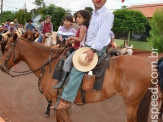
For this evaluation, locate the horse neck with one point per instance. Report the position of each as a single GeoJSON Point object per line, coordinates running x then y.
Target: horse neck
{"type": "Point", "coordinates": [33, 55]}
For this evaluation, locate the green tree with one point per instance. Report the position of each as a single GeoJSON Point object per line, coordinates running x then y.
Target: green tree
{"type": "Point", "coordinates": [89, 9]}
{"type": "Point", "coordinates": [39, 3]}
{"type": "Point", "coordinates": [129, 21]}
{"type": "Point", "coordinates": [156, 33]}
{"type": "Point", "coordinates": [7, 15]}
{"type": "Point", "coordinates": [57, 14]}
{"type": "Point", "coordinates": [22, 16]}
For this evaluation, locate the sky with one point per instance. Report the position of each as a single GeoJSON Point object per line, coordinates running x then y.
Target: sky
{"type": "Point", "coordinates": [73, 5]}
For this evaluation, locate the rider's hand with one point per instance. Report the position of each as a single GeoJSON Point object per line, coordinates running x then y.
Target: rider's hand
{"type": "Point", "coordinates": [69, 40]}
{"type": "Point", "coordinates": [89, 55]}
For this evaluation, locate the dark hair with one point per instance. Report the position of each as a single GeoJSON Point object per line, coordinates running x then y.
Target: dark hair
{"type": "Point", "coordinates": [86, 15]}
{"type": "Point", "coordinates": [69, 18]}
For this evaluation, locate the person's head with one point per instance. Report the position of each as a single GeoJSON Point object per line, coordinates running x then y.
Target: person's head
{"type": "Point", "coordinates": [8, 21]}
{"type": "Point", "coordinates": [83, 17]}
{"type": "Point", "coordinates": [12, 24]}
{"type": "Point", "coordinates": [98, 3]}
{"type": "Point", "coordinates": [48, 18]}
{"type": "Point", "coordinates": [67, 21]}
{"type": "Point", "coordinates": [29, 21]}
{"type": "Point", "coordinates": [40, 20]}
{"type": "Point", "coordinates": [15, 20]}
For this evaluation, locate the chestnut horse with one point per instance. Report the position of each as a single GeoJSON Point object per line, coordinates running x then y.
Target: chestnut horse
{"type": "Point", "coordinates": [127, 76]}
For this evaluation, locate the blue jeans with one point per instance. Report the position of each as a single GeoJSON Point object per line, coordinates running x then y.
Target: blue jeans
{"type": "Point", "coordinates": [40, 39]}
{"type": "Point", "coordinates": [161, 74]}
{"type": "Point", "coordinates": [71, 89]}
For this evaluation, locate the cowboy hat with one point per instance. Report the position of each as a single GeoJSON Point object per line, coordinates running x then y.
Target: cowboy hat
{"type": "Point", "coordinates": [79, 60]}
{"type": "Point", "coordinates": [11, 23]}
{"type": "Point", "coordinates": [29, 21]}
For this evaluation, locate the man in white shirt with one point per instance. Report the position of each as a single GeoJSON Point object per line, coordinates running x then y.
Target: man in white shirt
{"type": "Point", "coordinates": [98, 37]}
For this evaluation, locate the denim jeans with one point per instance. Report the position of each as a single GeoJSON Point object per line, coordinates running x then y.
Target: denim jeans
{"type": "Point", "coordinates": [40, 39]}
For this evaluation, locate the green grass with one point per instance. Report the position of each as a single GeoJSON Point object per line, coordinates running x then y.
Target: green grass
{"type": "Point", "coordinates": [136, 44]}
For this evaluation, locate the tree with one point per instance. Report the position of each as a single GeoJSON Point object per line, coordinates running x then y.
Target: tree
{"type": "Point", "coordinates": [39, 3]}
{"type": "Point", "coordinates": [129, 21]}
{"type": "Point", "coordinates": [7, 15]}
{"type": "Point", "coordinates": [57, 14]}
{"type": "Point", "coordinates": [89, 9]}
{"type": "Point", "coordinates": [23, 16]}
{"type": "Point", "coordinates": [156, 33]}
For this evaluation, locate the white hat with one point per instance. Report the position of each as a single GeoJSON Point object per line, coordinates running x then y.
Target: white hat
{"type": "Point", "coordinates": [79, 60]}
{"type": "Point", "coordinates": [11, 23]}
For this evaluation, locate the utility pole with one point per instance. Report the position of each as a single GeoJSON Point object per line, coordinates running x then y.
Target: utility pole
{"type": "Point", "coordinates": [1, 8]}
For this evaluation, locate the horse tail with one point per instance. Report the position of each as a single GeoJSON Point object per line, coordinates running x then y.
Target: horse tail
{"type": "Point", "coordinates": [143, 110]}
{"type": "Point", "coordinates": [62, 116]}
{"type": "Point", "coordinates": [159, 62]}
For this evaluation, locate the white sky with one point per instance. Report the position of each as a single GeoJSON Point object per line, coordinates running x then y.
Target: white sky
{"type": "Point", "coordinates": [73, 5]}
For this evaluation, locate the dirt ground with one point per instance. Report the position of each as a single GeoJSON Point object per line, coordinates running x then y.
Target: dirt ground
{"type": "Point", "coordinates": [20, 101]}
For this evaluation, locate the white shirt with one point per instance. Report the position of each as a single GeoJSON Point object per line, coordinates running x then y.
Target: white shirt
{"type": "Point", "coordinates": [99, 29]}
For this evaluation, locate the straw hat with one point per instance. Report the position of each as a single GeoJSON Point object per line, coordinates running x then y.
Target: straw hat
{"type": "Point", "coordinates": [79, 60]}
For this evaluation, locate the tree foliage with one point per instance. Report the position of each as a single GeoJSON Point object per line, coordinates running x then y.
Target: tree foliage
{"type": "Point", "coordinates": [129, 20]}
{"type": "Point", "coordinates": [57, 14]}
{"type": "Point", "coordinates": [23, 16]}
{"type": "Point", "coordinates": [156, 33]}
{"type": "Point", "coordinates": [39, 3]}
{"type": "Point", "coordinates": [90, 9]}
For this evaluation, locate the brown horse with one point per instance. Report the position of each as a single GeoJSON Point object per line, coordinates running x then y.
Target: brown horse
{"type": "Point", "coordinates": [29, 34]}
{"type": "Point", "coordinates": [127, 76]}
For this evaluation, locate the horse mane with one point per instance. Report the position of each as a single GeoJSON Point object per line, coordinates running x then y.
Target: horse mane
{"type": "Point", "coordinates": [41, 46]}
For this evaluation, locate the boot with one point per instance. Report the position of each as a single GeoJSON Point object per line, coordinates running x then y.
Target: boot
{"type": "Point", "coordinates": [64, 75]}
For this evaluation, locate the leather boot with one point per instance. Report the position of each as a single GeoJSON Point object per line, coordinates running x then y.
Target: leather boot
{"type": "Point", "coordinates": [64, 76]}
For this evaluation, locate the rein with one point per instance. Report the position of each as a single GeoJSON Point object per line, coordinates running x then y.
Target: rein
{"type": "Point", "coordinates": [6, 70]}
{"type": "Point", "coordinates": [42, 68]}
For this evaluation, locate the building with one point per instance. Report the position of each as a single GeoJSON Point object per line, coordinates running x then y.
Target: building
{"type": "Point", "coordinates": [148, 10]}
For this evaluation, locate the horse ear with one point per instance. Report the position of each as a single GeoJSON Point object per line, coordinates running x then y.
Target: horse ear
{"type": "Point", "coordinates": [15, 36]}
{"type": "Point", "coordinates": [131, 46]}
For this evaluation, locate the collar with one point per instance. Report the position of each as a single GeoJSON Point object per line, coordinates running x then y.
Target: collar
{"type": "Point", "coordinates": [100, 10]}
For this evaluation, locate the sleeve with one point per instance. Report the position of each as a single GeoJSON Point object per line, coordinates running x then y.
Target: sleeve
{"type": "Point", "coordinates": [60, 31]}
{"type": "Point", "coordinates": [40, 28]}
{"type": "Point", "coordinates": [51, 27]}
{"type": "Point", "coordinates": [103, 33]}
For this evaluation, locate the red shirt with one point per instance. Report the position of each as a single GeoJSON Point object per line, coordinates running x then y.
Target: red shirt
{"type": "Point", "coordinates": [77, 44]}
{"type": "Point", "coordinates": [47, 27]}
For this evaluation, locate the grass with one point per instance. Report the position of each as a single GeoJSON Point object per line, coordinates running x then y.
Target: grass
{"type": "Point", "coordinates": [136, 44]}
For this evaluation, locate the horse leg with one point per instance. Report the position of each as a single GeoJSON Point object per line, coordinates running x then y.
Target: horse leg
{"type": "Point", "coordinates": [131, 114]}
{"type": "Point", "coordinates": [48, 109]}
{"type": "Point", "coordinates": [3, 47]}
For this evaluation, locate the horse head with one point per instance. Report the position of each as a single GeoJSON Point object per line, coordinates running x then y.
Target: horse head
{"type": "Point", "coordinates": [29, 35]}
{"type": "Point", "coordinates": [129, 50]}
{"type": "Point", "coordinates": [11, 55]}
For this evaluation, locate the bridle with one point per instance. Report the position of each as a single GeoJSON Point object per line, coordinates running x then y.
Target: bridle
{"type": "Point", "coordinates": [42, 68]}
{"type": "Point", "coordinates": [11, 54]}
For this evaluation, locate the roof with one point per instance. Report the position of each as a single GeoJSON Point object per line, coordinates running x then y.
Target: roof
{"type": "Point", "coordinates": [148, 10]}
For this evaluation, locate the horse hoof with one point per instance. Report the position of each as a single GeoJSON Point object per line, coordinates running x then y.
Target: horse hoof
{"type": "Point", "coordinates": [46, 115]}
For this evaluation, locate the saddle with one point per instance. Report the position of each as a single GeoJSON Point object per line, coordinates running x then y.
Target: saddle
{"type": "Point", "coordinates": [98, 74]}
